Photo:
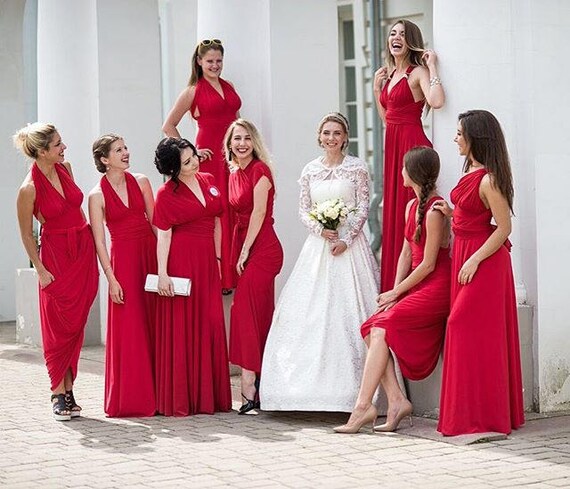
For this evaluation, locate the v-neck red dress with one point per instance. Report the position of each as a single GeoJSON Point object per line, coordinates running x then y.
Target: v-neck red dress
{"type": "Point", "coordinates": [481, 387]}
{"type": "Point", "coordinates": [216, 113]}
{"type": "Point", "coordinates": [67, 251]}
{"type": "Point", "coordinates": [415, 326]}
{"type": "Point", "coordinates": [404, 131]}
{"type": "Point", "coordinates": [192, 370]}
{"type": "Point", "coordinates": [254, 301]}
{"type": "Point", "coordinates": [129, 376]}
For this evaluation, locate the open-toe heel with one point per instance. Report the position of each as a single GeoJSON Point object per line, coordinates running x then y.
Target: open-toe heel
{"type": "Point", "coordinates": [59, 408]}
{"type": "Point", "coordinates": [71, 405]}
{"type": "Point", "coordinates": [248, 405]}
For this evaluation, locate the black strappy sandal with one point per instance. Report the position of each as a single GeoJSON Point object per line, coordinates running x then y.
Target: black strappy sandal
{"type": "Point", "coordinates": [251, 404]}
{"type": "Point", "coordinates": [59, 408]}
{"type": "Point", "coordinates": [71, 405]}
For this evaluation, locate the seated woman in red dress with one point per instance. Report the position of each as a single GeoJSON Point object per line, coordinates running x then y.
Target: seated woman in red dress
{"type": "Point", "coordinates": [411, 317]}
{"type": "Point", "coordinates": [256, 252]}
{"type": "Point", "coordinates": [481, 387]}
{"type": "Point", "coordinates": [124, 201]}
{"type": "Point", "coordinates": [192, 370]}
{"type": "Point", "coordinates": [66, 263]}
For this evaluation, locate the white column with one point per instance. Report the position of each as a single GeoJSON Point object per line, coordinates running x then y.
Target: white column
{"type": "Point", "coordinates": [283, 60]}
{"type": "Point", "coordinates": [13, 100]}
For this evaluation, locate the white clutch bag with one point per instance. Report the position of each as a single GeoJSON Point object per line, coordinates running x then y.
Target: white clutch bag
{"type": "Point", "coordinates": [182, 286]}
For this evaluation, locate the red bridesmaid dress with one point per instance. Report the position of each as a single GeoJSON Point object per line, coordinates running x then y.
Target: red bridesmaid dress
{"type": "Point", "coordinates": [129, 379]}
{"type": "Point", "coordinates": [216, 113]}
{"type": "Point", "coordinates": [404, 131]}
{"type": "Point", "coordinates": [192, 370]}
{"type": "Point", "coordinates": [67, 251]}
{"type": "Point", "coordinates": [481, 386]}
{"type": "Point", "coordinates": [254, 301]}
{"type": "Point", "coordinates": [415, 326]}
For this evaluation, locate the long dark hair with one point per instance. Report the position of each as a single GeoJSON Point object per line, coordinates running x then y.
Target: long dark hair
{"type": "Point", "coordinates": [487, 146]}
{"type": "Point", "coordinates": [167, 157]}
{"type": "Point", "coordinates": [422, 165]}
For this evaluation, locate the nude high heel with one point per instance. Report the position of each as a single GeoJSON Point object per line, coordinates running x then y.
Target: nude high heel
{"type": "Point", "coordinates": [405, 412]}
{"type": "Point", "coordinates": [369, 416]}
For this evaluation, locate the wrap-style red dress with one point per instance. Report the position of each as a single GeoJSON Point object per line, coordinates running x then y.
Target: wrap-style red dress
{"type": "Point", "coordinates": [216, 113]}
{"type": "Point", "coordinates": [67, 251]}
{"type": "Point", "coordinates": [129, 376]}
{"type": "Point", "coordinates": [404, 131]}
{"type": "Point", "coordinates": [415, 326]}
{"type": "Point", "coordinates": [192, 370]}
{"type": "Point", "coordinates": [254, 301]}
{"type": "Point", "coordinates": [481, 384]}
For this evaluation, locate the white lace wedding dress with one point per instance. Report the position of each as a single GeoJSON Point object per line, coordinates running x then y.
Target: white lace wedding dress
{"type": "Point", "coordinates": [314, 354]}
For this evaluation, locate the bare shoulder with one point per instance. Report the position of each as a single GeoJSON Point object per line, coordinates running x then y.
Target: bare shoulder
{"type": "Point", "coordinates": [67, 165]}
{"type": "Point", "coordinates": [27, 189]}
{"type": "Point", "coordinates": [418, 74]}
{"type": "Point", "coordinates": [141, 178]}
{"type": "Point", "coordinates": [95, 191]}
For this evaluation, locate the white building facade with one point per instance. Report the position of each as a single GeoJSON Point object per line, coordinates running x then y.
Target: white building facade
{"type": "Point", "coordinates": [99, 66]}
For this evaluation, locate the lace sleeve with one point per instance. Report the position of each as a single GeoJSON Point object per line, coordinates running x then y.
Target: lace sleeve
{"type": "Point", "coordinates": [305, 206]}
{"type": "Point", "coordinates": [357, 219]}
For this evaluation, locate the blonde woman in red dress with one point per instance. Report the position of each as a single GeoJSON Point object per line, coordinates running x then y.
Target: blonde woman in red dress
{"type": "Point", "coordinates": [214, 104]}
{"type": "Point", "coordinates": [66, 263]}
{"type": "Point", "coordinates": [124, 202]}
{"type": "Point", "coordinates": [481, 384]}
{"type": "Point", "coordinates": [256, 252]}
{"type": "Point", "coordinates": [411, 317]}
{"type": "Point", "coordinates": [402, 89]}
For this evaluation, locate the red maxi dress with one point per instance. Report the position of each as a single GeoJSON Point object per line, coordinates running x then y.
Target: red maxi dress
{"type": "Point", "coordinates": [67, 251]}
{"type": "Point", "coordinates": [216, 113]}
{"type": "Point", "coordinates": [192, 370]}
{"type": "Point", "coordinates": [254, 301]}
{"type": "Point", "coordinates": [415, 326]}
{"type": "Point", "coordinates": [129, 377]}
{"type": "Point", "coordinates": [481, 385]}
{"type": "Point", "coordinates": [404, 131]}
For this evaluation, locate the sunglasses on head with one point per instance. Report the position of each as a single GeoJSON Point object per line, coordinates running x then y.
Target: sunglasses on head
{"type": "Point", "coordinates": [209, 42]}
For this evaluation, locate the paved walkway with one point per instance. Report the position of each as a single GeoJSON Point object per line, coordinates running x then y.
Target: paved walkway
{"type": "Point", "coordinates": [290, 450]}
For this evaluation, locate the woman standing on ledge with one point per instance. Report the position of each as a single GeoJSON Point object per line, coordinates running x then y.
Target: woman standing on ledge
{"type": "Point", "coordinates": [124, 201]}
{"type": "Point", "coordinates": [401, 89]}
{"type": "Point", "coordinates": [481, 383]}
{"type": "Point", "coordinates": [215, 104]}
{"type": "Point", "coordinates": [66, 263]}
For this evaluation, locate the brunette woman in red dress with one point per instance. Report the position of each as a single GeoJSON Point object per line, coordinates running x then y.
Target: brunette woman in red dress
{"type": "Point", "coordinates": [192, 370]}
{"type": "Point", "coordinates": [401, 89]}
{"type": "Point", "coordinates": [125, 202]}
{"type": "Point", "coordinates": [215, 104]}
{"type": "Point", "coordinates": [411, 317]}
{"type": "Point", "coordinates": [66, 263]}
{"type": "Point", "coordinates": [256, 252]}
{"type": "Point", "coordinates": [481, 384]}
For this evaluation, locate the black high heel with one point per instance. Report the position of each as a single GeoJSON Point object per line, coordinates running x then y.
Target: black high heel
{"type": "Point", "coordinates": [60, 411]}
{"type": "Point", "coordinates": [72, 406]}
{"type": "Point", "coordinates": [251, 404]}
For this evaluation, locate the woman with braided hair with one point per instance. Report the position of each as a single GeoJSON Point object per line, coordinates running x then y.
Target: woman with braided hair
{"type": "Point", "coordinates": [410, 318]}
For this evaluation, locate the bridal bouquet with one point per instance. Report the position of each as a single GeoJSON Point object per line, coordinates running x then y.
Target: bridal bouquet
{"type": "Point", "coordinates": [330, 213]}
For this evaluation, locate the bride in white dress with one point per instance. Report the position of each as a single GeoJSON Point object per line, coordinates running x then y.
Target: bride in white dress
{"type": "Point", "coordinates": [315, 354]}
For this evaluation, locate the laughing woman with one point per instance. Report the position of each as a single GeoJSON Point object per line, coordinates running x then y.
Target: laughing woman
{"type": "Point", "coordinates": [124, 201]}
{"type": "Point", "coordinates": [66, 263]}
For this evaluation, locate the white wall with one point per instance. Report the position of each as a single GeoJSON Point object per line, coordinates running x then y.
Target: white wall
{"type": "Point", "coordinates": [505, 56]}
{"type": "Point", "coordinates": [15, 106]}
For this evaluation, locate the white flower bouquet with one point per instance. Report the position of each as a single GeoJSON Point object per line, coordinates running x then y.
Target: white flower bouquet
{"type": "Point", "coordinates": [330, 213]}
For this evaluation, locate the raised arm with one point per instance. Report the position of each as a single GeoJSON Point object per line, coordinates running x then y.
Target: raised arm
{"type": "Point", "coordinates": [181, 106]}
{"type": "Point", "coordinates": [260, 196]}
{"type": "Point", "coordinates": [499, 206]}
{"type": "Point", "coordinates": [380, 78]}
{"type": "Point", "coordinates": [97, 221]}
{"type": "Point", "coordinates": [429, 81]}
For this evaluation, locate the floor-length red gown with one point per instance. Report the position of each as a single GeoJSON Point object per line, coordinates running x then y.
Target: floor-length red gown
{"type": "Point", "coordinates": [403, 132]}
{"type": "Point", "coordinates": [67, 251]}
{"type": "Point", "coordinates": [216, 113]}
{"type": "Point", "coordinates": [481, 385]}
{"type": "Point", "coordinates": [129, 376]}
{"type": "Point", "coordinates": [415, 326]}
{"type": "Point", "coordinates": [192, 370]}
{"type": "Point", "coordinates": [254, 301]}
